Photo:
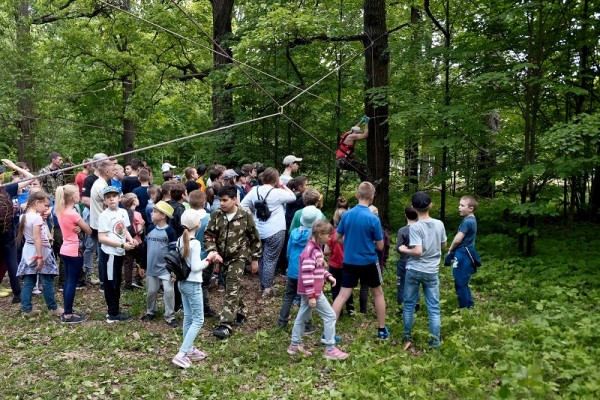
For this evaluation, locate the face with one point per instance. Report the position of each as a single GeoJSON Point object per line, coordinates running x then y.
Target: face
{"type": "Point", "coordinates": [111, 200]}
{"type": "Point", "coordinates": [194, 174]}
{"type": "Point", "coordinates": [323, 238]}
{"type": "Point", "coordinates": [136, 202]}
{"type": "Point", "coordinates": [57, 161]}
{"type": "Point", "coordinates": [253, 173]}
{"type": "Point", "coordinates": [295, 167]}
{"type": "Point", "coordinates": [41, 206]}
{"type": "Point", "coordinates": [243, 180]}
{"type": "Point", "coordinates": [464, 209]}
{"type": "Point", "coordinates": [227, 204]}
{"type": "Point", "coordinates": [119, 173]}
{"type": "Point", "coordinates": [35, 184]}
{"type": "Point", "coordinates": [110, 172]}
{"type": "Point", "coordinates": [76, 197]}
{"type": "Point", "coordinates": [127, 170]}
{"type": "Point", "coordinates": [157, 216]}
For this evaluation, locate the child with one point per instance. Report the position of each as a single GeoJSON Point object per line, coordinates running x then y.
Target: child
{"type": "Point", "coordinates": [427, 240]}
{"type": "Point", "coordinates": [37, 256]}
{"type": "Point", "coordinates": [296, 244]}
{"type": "Point", "coordinates": [403, 239]}
{"type": "Point", "coordinates": [71, 251]}
{"type": "Point", "coordinates": [335, 250]}
{"type": "Point", "coordinates": [310, 197]}
{"type": "Point", "coordinates": [360, 231]}
{"type": "Point", "coordinates": [158, 241]}
{"type": "Point", "coordinates": [115, 240]}
{"type": "Point", "coordinates": [155, 195]}
{"type": "Point", "coordinates": [191, 288]}
{"type": "Point", "coordinates": [136, 230]}
{"type": "Point", "coordinates": [310, 287]}
{"type": "Point", "coordinates": [462, 251]}
{"type": "Point", "coordinates": [232, 234]}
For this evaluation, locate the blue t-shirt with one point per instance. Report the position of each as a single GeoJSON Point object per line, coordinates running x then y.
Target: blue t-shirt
{"type": "Point", "coordinates": [158, 242]}
{"type": "Point", "coordinates": [361, 229]}
{"type": "Point", "coordinates": [200, 235]}
{"type": "Point", "coordinates": [468, 226]}
{"type": "Point", "coordinates": [117, 184]}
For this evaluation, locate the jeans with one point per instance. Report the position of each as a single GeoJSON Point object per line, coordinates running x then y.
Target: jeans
{"type": "Point", "coordinates": [462, 271]}
{"type": "Point", "coordinates": [291, 288]}
{"type": "Point", "coordinates": [305, 314]}
{"type": "Point", "coordinates": [400, 282]}
{"type": "Point", "coordinates": [152, 285]}
{"type": "Point", "coordinates": [48, 291]}
{"type": "Point", "coordinates": [431, 288]}
{"type": "Point", "coordinates": [72, 266]}
{"type": "Point", "coordinates": [91, 244]}
{"type": "Point", "coordinates": [193, 313]}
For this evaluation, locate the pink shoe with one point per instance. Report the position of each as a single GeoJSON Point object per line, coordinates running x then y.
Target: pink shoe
{"type": "Point", "coordinates": [182, 362]}
{"type": "Point", "coordinates": [196, 355]}
{"type": "Point", "coordinates": [335, 354]}
{"type": "Point", "coordinates": [298, 349]}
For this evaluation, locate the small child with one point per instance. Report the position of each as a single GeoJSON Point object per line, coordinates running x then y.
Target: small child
{"type": "Point", "coordinates": [158, 241]}
{"type": "Point", "coordinates": [37, 256]}
{"type": "Point", "coordinates": [297, 242]}
{"type": "Point", "coordinates": [403, 239]}
{"type": "Point", "coordinates": [335, 250]}
{"type": "Point", "coordinates": [310, 286]}
{"type": "Point", "coordinates": [154, 196]}
{"type": "Point", "coordinates": [136, 230]}
{"type": "Point", "coordinates": [462, 251]}
{"type": "Point", "coordinates": [191, 288]}
{"type": "Point", "coordinates": [115, 240]}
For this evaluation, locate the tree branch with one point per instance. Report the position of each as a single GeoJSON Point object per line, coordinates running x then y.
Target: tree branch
{"type": "Point", "coordinates": [435, 21]}
{"type": "Point", "coordinates": [48, 18]}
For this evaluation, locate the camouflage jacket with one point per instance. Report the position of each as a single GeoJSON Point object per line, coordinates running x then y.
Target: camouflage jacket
{"type": "Point", "coordinates": [237, 239]}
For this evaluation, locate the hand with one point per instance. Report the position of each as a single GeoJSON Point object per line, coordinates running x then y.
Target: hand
{"type": "Point", "coordinates": [40, 264]}
{"type": "Point", "coordinates": [141, 272]}
{"type": "Point", "coordinates": [77, 229]}
{"type": "Point", "coordinates": [129, 246]}
{"type": "Point", "coordinates": [312, 303]}
{"type": "Point", "coordinates": [214, 257]}
{"type": "Point", "coordinates": [8, 163]}
{"type": "Point", "coordinates": [332, 280]}
{"type": "Point", "coordinates": [254, 266]}
{"type": "Point", "coordinates": [402, 248]}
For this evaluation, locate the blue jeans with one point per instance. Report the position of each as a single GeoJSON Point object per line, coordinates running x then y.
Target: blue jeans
{"type": "Point", "coordinates": [400, 282]}
{"type": "Point", "coordinates": [91, 244]}
{"type": "Point", "coordinates": [431, 288]}
{"type": "Point", "coordinates": [29, 282]}
{"type": "Point", "coordinates": [462, 271]}
{"type": "Point", "coordinates": [305, 314]}
{"type": "Point", "coordinates": [72, 267]}
{"type": "Point", "coordinates": [193, 313]}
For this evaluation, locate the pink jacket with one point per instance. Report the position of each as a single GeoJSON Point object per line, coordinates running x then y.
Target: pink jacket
{"type": "Point", "coordinates": [312, 271]}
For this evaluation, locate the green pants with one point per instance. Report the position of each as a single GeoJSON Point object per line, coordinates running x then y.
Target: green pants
{"type": "Point", "coordinates": [233, 303]}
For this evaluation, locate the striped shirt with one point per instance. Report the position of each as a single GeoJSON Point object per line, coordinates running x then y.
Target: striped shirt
{"type": "Point", "coordinates": [312, 270]}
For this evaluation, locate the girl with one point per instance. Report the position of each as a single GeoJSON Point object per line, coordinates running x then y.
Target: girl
{"type": "Point", "coordinates": [310, 287]}
{"type": "Point", "coordinates": [130, 202]}
{"type": "Point", "coordinates": [191, 288]}
{"type": "Point", "coordinates": [37, 257]}
{"type": "Point", "coordinates": [71, 251]}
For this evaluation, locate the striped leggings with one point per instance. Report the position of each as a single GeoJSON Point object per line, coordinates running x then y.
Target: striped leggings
{"type": "Point", "coordinates": [267, 263]}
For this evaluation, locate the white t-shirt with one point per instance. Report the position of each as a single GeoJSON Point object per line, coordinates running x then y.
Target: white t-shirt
{"type": "Point", "coordinates": [193, 260]}
{"type": "Point", "coordinates": [97, 201]}
{"type": "Point", "coordinates": [275, 201]}
{"type": "Point", "coordinates": [285, 178]}
{"type": "Point", "coordinates": [115, 224]}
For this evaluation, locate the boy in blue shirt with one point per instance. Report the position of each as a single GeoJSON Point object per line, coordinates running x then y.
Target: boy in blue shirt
{"type": "Point", "coordinates": [460, 251]}
{"type": "Point", "coordinates": [360, 231]}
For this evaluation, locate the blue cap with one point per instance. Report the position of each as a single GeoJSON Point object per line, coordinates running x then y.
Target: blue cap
{"type": "Point", "coordinates": [110, 189]}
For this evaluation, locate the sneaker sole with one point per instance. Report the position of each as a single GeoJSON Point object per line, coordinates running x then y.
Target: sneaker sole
{"type": "Point", "coordinates": [333, 358]}
{"type": "Point", "coordinates": [72, 322]}
{"type": "Point", "coordinates": [180, 365]}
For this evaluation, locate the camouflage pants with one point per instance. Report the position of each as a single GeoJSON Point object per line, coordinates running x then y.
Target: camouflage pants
{"type": "Point", "coordinates": [233, 303]}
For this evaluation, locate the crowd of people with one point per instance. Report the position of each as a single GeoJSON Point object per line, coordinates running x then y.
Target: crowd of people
{"type": "Point", "coordinates": [237, 221]}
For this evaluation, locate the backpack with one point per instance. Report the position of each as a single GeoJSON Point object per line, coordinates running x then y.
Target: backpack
{"type": "Point", "coordinates": [7, 211]}
{"type": "Point", "coordinates": [176, 264]}
{"type": "Point", "coordinates": [260, 206]}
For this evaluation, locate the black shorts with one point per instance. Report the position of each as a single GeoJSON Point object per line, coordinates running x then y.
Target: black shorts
{"type": "Point", "coordinates": [368, 275]}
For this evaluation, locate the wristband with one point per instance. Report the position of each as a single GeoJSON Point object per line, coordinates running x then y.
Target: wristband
{"type": "Point", "coordinates": [38, 257]}
{"type": "Point", "coordinates": [122, 245]}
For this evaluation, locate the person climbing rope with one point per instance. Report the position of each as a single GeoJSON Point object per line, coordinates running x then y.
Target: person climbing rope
{"type": "Point", "coordinates": [345, 156]}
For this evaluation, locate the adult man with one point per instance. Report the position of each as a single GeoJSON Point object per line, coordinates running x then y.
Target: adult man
{"type": "Point", "coordinates": [291, 166]}
{"type": "Point", "coordinates": [88, 169]}
{"type": "Point", "coordinates": [345, 156]}
{"type": "Point", "coordinates": [54, 179]}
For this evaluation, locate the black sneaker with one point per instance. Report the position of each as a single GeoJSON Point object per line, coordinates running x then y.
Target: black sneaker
{"type": "Point", "coordinates": [16, 299]}
{"type": "Point", "coordinates": [309, 328]}
{"type": "Point", "coordinates": [222, 332]}
{"type": "Point", "coordinates": [137, 283]}
{"type": "Point", "coordinates": [147, 317]}
{"type": "Point", "coordinates": [240, 320]}
{"type": "Point", "coordinates": [173, 323]}
{"type": "Point", "coordinates": [417, 307]}
{"type": "Point", "coordinates": [117, 318]}
{"type": "Point", "coordinates": [74, 319]}
{"type": "Point", "coordinates": [80, 285]}
{"type": "Point", "coordinates": [210, 313]}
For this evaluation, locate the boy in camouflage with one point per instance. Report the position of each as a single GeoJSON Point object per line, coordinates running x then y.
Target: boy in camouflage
{"type": "Point", "coordinates": [231, 233]}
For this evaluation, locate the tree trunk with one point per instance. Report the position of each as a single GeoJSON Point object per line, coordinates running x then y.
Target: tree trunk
{"type": "Point", "coordinates": [377, 68]}
{"type": "Point", "coordinates": [486, 160]}
{"type": "Point", "coordinates": [127, 87]}
{"type": "Point", "coordinates": [411, 149]}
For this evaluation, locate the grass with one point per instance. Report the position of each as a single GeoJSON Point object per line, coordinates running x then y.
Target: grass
{"type": "Point", "coordinates": [533, 334]}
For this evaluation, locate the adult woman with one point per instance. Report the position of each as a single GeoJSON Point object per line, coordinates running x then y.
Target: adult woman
{"type": "Point", "coordinates": [271, 230]}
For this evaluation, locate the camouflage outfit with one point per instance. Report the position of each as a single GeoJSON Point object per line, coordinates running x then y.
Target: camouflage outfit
{"type": "Point", "coordinates": [238, 242]}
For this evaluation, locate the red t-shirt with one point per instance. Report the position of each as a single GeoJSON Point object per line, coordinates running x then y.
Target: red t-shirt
{"type": "Point", "coordinates": [336, 256]}
{"type": "Point", "coordinates": [79, 178]}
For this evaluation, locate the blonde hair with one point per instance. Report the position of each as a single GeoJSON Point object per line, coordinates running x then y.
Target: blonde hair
{"type": "Point", "coordinates": [128, 199]}
{"type": "Point", "coordinates": [366, 191]}
{"type": "Point", "coordinates": [471, 201]}
{"type": "Point", "coordinates": [321, 227]}
{"type": "Point", "coordinates": [337, 215]}
{"type": "Point", "coordinates": [64, 196]}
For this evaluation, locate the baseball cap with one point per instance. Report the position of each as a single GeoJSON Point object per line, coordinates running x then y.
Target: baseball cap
{"type": "Point", "coordinates": [164, 208]}
{"type": "Point", "coordinates": [191, 218]}
{"type": "Point", "coordinates": [309, 215]}
{"type": "Point", "coordinates": [109, 189]}
{"type": "Point", "coordinates": [228, 174]}
{"type": "Point", "coordinates": [421, 200]}
{"type": "Point", "coordinates": [356, 129]}
{"type": "Point", "coordinates": [167, 167]}
{"type": "Point", "coordinates": [291, 159]}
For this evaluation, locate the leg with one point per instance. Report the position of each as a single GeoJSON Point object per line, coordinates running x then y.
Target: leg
{"type": "Point", "coordinates": [8, 253]}
{"type": "Point", "coordinates": [73, 267]}
{"type": "Point", "coordinates": [291, 288]}
{"type": "Point", "coordinates": [191, 295]}
{"type": "Point", "coordinates": [270, 255]}
{"type": "Point", "coordinates": [206, 275]}
{"type": "Point", "coordinates": [329, 318]}
{"type": "Point", "coordinates": [341, 299]}
{"type": "Point", "coordinates": [462, 271]}
{"type": "Point", "coordinates": [304, 314]}
{"type": "Point", "coordinates": [152, 285]}
{"type": "Point", "coordinates": [400, 277]}
{"type": "Point", "coordinates": [28, 284]}
{"type": "Point", "coordinates": [128, 264]}
{"type": "Point", "coordinates": [111, 268]}
{"type": "Point", "coordinates": [88, 254]}
{"type": "Point", "coordinates": [411, 292]}
{"type": "Point", "coordinates": [231, 304]}
{"type": "Point", "coordinates": [379, 301]}
{"type": "Point", "coordinates": [363, 298]}
{"type": "Point", "coordinates": [168, 297]}
{"type": "Point", "coordinates": [48, 290]}
{"type": "Point", "coordinates": [431, 288]}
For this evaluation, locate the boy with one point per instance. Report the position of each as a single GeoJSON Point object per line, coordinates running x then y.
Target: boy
{"type": "Point", "coordinates": [404, 239]}
{"type": "Point", "coordinates": [360, 231]}
{"type": "Point", "coordinates": [115, 240]}
{"type": "Point", "coordinates": [231, 233]}
{"type": "Point", "coordinates": [427, 239]}
{"type": "Point", "coordinates": [310, 197]}
{"type": "Point", "coordinates": [158, 241]}
{"type": "Point", "coordinates": [461, 251]}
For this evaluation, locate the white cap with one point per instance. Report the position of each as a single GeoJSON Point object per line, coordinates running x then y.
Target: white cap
{"type": "Point", "coordinates": [167, 167]}
{"type": "Point", "coordinates": [356, 129]}
{"type": "Point", "coordinates": [288, 160]}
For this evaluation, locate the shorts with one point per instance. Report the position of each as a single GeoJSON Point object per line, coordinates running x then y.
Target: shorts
{"type": "Point", "coordinates": [369, 275]}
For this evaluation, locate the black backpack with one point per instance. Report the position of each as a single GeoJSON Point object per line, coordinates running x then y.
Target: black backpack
{"type": "Point", "coordinates": [7, 211]}
{"type": "Point", "coordinates": [260, 206]}
{"type": "Point", "coordinates": [176, 264]}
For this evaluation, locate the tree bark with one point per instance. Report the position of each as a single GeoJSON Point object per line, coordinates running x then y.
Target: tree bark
{"type": "Point", "coordinates": [377, 72]}
{"type": "Point", "coordinates": [411, 148]}
{"type": "Point", "coordinates": [486, 160]}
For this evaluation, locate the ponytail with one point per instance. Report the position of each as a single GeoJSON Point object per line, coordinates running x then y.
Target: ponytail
{"type": "Point", "coordinates": [186, 243]}
{"type": "Point", "coordinates": [59, 200]}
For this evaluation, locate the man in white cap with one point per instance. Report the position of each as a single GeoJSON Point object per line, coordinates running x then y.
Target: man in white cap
{"type": "Point", "coordinates": [291, 166]}
{"type": "Point", "coordinates": [345, 156]}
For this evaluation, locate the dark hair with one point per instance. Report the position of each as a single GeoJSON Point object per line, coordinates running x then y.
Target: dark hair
{"type": "Point", "coordinates": [177, 191]}
{"type": "Point", "coordinates": [229, 191]}
{"type": "Point", "coordinates": [136, 164]}
{"type": "Point", "coordinates": [270, 176]}
{"type": "Point", "coordinates": [53, 155]}
{"type": "Point", "coordinates": [411, 213]}
{"type": "Point", "coordinates": [201, 169]}
{"type": "Point", "coordinates": [259, 167]}
{"type": "Point", "coordinates": [190, 186]}
{"type": "Point", "coordinates": [168, 175]}
{"type": "Point", "coordinates": [342, 202]}
{"type": "Point", "coordinates": [216, 171]}
{"type": "Point", "coordinates": [247, 168]}
{"type": "Point", "coordinates": [296, 182]}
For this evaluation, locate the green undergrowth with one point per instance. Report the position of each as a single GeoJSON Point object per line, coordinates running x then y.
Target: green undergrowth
{"type": "Point", "coordinates": [533, 334]}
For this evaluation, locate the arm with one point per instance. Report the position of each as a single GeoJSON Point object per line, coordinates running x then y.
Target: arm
{"type": "Point", "coordinates": [37, 242]}
{"type": "Point", "coordinates": [379, 245]}
{"type": "Point", "coordinates": [85, 201]}
{"type": "Point", "coordinates": [104, 239]}
{"type": "Point", "coordinates": [457, 241]}
{"type": "Point", "coordinates": [23, 172]}
{"type": "Point", "coordinates": [339, 238]}
{"type": "Point", "coordinates": [84, 227]}
{"type": "Point", "coordinates": [416, 251]}
{"type": "Point", "coordinates": [444, 245]}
